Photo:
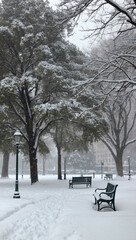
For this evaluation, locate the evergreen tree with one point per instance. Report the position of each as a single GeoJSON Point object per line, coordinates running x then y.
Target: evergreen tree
{"type": "Point", "coordinates": [28, 67]}
{"type": "Point", "coordinates": [39, 74]}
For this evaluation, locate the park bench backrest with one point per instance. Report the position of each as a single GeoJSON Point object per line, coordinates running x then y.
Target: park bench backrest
{"type": "Point", "coordinates": [88, 179]}
{"type": "Point", "coordinates": [110, 187]}
{"type": "Point", "coordinates": [81, 179]}
{"type": "Point", "coordinates": [108, 174]}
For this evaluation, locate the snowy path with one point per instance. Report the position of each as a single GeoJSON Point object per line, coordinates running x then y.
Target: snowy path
{"type": "Point", "coordinates": [32, 217]}
{"type": "Point", "coordinates": [33, 221]}
{"type": "Point", "coordinates": [49, 210]}
{"type": "Point", "coordinates": [74, 216]}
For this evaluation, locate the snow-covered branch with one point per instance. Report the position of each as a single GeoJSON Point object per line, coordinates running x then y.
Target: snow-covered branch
{"type": "Point", "coordinates": [98, 12]}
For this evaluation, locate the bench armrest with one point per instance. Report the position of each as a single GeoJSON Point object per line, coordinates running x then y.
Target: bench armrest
{"type": "Point", "coordinates": [99, 189]}
{"type": "Point", "coordinates": [106, 193]}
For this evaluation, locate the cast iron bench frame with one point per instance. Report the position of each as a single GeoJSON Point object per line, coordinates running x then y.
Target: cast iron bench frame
{"type": "Point", "coordinates": [80, 180]}
{"type": "Point", "coordinates": [107, 195]}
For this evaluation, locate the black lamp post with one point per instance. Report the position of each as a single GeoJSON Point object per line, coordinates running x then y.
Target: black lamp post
{"type": "Point", "coordinates": [102, 164]}
{"type": "Point", "coordinates": [129, 172]}
{"type": "Point", "coordinates": [17, 136]}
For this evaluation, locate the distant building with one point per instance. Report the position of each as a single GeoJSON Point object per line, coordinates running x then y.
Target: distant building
{"type": "Point", "coordinates": [103, 156]}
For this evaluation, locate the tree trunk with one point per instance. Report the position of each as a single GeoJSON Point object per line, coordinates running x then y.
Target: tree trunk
{"type": "Point", "coordinates": [26, 100]}
{"type": "Point", "coordinates": [119, 164]}
{"type": "Point", "coordinates": [33, 165]}
{"type": "Point", "coordinates": [43, 166]}
{"type": "Point", "coordinates": [65, 168]}
{"type": "Point", "coordinates": [5, 164]}
{"type": "Point", "coordinates": [59, 163]}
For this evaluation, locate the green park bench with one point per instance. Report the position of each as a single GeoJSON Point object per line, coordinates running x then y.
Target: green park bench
{"type": "Point", "coordinates": [105, 195]}
{"type": "Point", "coordinates": [80, 180]}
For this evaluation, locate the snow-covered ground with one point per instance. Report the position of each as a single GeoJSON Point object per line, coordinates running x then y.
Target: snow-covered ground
{"type": "Point", "coordinates": [49, 210]}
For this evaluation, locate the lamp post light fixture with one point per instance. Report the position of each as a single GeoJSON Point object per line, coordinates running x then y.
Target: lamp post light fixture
{"type": "Point", "coordinates": [17, 136]}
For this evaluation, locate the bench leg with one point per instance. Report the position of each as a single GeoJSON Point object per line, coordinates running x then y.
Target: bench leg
{"type": "Point", "coordinates": [114, 207]}
{"type": "Point", "coordinates": [70, 185]}
{"type": "Point", "coordinates": [95, 200]}
{"type": "Point", "coordinates": [88, 185]}
{"type": "Point", "coordinates": [98, 203]}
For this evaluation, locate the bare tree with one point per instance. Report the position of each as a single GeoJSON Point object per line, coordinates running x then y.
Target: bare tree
{"type": "Point", "coordinates": [121, 117]}
{"type": "Point", "coordinates": [103, 14]}
{"type": "Point", "coordinates": [113, 19]}
{"type": "Point", "coordinates": [113, 64]}
{"type": "Point", "coordinates": [118, 95]}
